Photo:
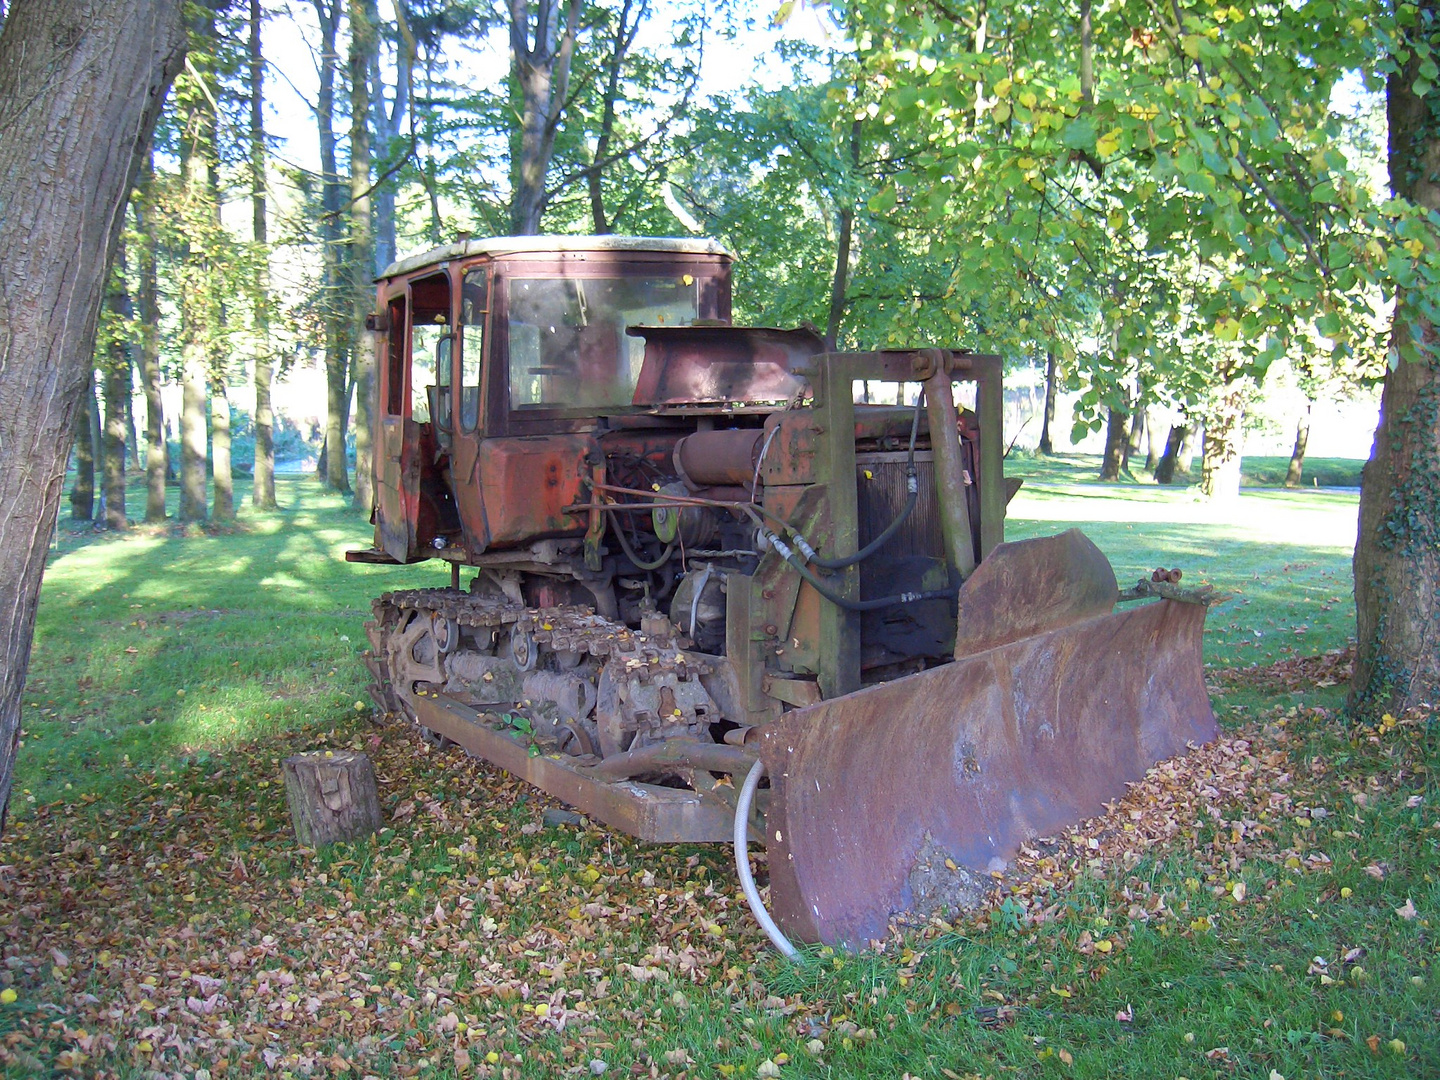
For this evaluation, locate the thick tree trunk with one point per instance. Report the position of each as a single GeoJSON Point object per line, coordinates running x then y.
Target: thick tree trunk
{"type": "Point", "coordinates": [542, 73]}
{"type": "Point", "coordinates": [1047, 424]}
{"type": "Point", "coordinates": [1397, 547]}
{"type": "Point", "coordinates": [364, 44]}
{"type": "Point", "coordinates": [1297, 455]}
{"type": "Point", "coordinates": [157, 455]}
{"type": "Point", "coordinates": [332, 796]}
{"type": "Point", "coordinates": [81, 84]}
{"type": "Point", "coordinates": [1168, 465]}
{"type": "Point", "coordinates": [193, 436]}
{"type": "Point", "coordinates": [1221, 453]}
{"type": "Point", "coordinates": [82, 490]}
{"type": "Point", "coordinates": [116, 385]}
{"type": "Point", "coordinates": [1115, 441]}
{"type": "Point", "coordinates": [224, 500]}
{"type": "Point", "coordinates": [262, 488]}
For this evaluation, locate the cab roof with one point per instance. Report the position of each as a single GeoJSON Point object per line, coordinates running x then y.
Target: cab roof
{"type": "Point", "coordinates": [511, 245]}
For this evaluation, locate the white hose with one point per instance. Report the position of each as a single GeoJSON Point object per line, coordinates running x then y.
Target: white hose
{"type": "Point", "coordinates": [742, 863]}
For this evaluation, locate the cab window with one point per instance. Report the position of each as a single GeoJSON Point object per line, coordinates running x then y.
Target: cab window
{"type": "Point", "coordinates": [474, 311]}
{"type": "Point", "coordinates": [431, 337]}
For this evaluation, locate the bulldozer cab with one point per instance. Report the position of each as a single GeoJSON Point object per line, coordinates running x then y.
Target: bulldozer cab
{"type": "Point", "coordinates": [493, 344]}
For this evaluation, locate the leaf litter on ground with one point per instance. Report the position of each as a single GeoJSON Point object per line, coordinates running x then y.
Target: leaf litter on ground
{"type": "Point", "coordinates": [179, 930]}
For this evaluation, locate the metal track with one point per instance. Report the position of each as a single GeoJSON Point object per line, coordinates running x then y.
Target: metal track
{"type": "Point", "coordinates": [603, 789]}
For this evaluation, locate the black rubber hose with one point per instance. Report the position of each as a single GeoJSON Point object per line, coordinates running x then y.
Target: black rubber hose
{"type": "Point", "coordinates": [798, 562]}
{"type": "Point", "coordinates": [894, 526]}
{"type": "Point", "coordinates": [630, 552]}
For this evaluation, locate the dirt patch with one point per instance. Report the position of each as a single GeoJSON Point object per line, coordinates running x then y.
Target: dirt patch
{"type": "Point", "coordinates": [941, 886]}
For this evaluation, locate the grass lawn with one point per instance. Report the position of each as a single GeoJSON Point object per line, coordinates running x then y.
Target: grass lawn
{"type": "Point", "coordinates": [1263, 907]}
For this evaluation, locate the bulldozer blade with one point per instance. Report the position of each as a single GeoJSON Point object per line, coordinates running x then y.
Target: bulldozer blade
{"type": "Point", "coordinates": [918, 790]}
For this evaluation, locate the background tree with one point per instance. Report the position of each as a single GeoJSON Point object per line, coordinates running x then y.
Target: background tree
{"type": "Point", "coordinates": [81, 85]}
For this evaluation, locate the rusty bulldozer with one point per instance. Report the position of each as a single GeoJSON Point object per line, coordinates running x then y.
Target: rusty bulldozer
{"type": "Point", "coordinates": [720, 588]}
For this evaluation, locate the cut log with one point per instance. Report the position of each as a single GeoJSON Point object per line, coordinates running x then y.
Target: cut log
{"type": "Point", "coordinates": [332, 796]}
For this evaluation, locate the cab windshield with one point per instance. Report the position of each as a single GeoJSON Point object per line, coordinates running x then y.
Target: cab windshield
{"type": "Point", "coordinates": [567, 342]}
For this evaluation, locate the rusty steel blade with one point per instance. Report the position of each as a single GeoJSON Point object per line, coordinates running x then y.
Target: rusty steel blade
{"type": "Point", "coordinates": [966, 761]}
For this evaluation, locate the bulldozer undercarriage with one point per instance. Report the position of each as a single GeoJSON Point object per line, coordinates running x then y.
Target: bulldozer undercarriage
{"type": "Point", "coordinates": [616, 722]}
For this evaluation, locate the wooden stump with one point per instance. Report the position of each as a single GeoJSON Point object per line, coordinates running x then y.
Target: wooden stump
{"type": "Point", "coordinates": [332, 796]}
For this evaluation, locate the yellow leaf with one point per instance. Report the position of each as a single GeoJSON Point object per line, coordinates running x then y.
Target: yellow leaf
{"type": "Point", "coordinates": [8, 996]}
{"type": "Point", "coordinates": [145, 1046]}
{"type": "Point", "coordinates": [1002, 88]}
{"type": "Point", "coordinates": [1027, 98]}
{"type": "Point", "coordinates": [1103, 946]}
{"type": "Point", "coordinates": [1058, 992]}
{"type": "Point", "coordinates": [492, 1058]}
{"type": "Point", "coordinates": [1108, 143]}
{"type": "Point", "coordinates": [542, 1009]}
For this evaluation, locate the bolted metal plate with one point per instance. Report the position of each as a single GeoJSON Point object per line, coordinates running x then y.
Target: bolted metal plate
{"type": "Point", "coordinates": [968, 760]}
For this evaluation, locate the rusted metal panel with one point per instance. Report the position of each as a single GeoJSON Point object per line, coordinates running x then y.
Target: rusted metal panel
{"type": "Point", "coordinates": [657, 814]}
{"type": "Point", "coordinates": [697, 365]}
{"type": "Point", "coordinates": [1030, 586]}
{"type": "Point", "coordinates": [971, 759]}
{"type": "Point", "coordinates": [527, 482]}
{"type": "Point", "coordinates": [727, 456]}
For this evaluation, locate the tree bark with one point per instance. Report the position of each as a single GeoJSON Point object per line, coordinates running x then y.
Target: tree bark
{"type": "Point", "coordinates": [839, 280]}
{"type": "Point", "coordinates": [1136, 440]}
{"type": "Point", "coordinates": [1297, 455]}
{"type": "Point", "coordinates": [193, 436]}
{"type": "Point", "coordinates": [624, 38]}
{"type": "Point", "coordinates": [82, 490]}
{"type": "Point", "coordinates": [1186, 457]}
{"type": "Point", "coordinates": [387, 130]}
{"type": "Point", "coordinates": [157, 455]}
{"type": "Point", "coordinates": [116, 388]}
{"type": "Point", "coordinates": [224, 480]}
{"type": "Point", "coordinates": [81, 83]}
{"type": "Point", "coordinates": [1047, 445]}
{"type": "Point", "coordinates": [1115, 441]}
{"type": "Point", "coordinates": [542, 73]}
{"type": "Point", "coordinates": [1221, 453]}
{"type": "Point", "coordinates": [335, 312]}
{"type": "Point", "coordinates": [332, 796]}
{"type": "Point", "coordinates": [262, 488]}
{"type": "Point", "coordinates": [1152, 444]}
{"type": "Point", "coordinates": [1397, 545]}
{"type": "Point", "coordinates": [364, 45]}
{"type": "Point", "coordinates": [1168, 465]}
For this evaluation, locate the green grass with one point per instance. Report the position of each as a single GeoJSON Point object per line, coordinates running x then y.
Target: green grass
{"type": "Point", "coordinates": [1255, 470]}
{"type": "Point", "coordinates": [150, 842]}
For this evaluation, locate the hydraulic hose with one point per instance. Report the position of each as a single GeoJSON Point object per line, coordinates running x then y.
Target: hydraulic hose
{"type": "Point", "coordinates": [630, 552]}
{"type": "Point", "coordinates": [912, 484]}
{"type": "Point", "coordinates": [742, 863]}
{"type": "Point", "coordinates": [798, 562]}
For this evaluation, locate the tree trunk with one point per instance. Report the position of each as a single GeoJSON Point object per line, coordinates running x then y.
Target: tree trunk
{"type": "Point", "coordinates": [224, 501]}
{"type": "Point", "coordinates": [116, 385]}
{"type": "Point", "coordinates": [1397, 546]}
{"type": "Point", "coordinates": [193, 437]}
{"type": "Point", "coordinates": [1115, 441]}
{"type": "Point", "coordinates": [1221, 453]}
{"type": "Point", "coordinates": [624, 38]}
{"type": "Point", "coordinates": [81, 84]}
{"type": "Point", "coordinates": [1152, 444]}
{"type": "Point", "coordinates": [82, 491]}
{"type": "Point", "coordinates": [1168, 465]}
{"type": "Point", "coordinates": [332, 796]}
{"type": "Point", "coordinates": [1047, 446]}
{"type": "Point", "coordinates": [335, 312]}
{"type": "Point", "coordinates": [1136, 440]}
{"type": "Point", "coordinates": [364, 45]}
{"type": "Point", "coordinates": [387, 128]}
{"type": "Point", "coordinates": [157, 455]}
{"type": "Point", "coordinates": [97, 433]}
{"type": "Point", "coordinates": [262, 488]}
{"type": "Point", "coordinates": [840, 278]}
{"type": "Point", "coordinates": [542, 74]}
{"type": "Point", "coordinates": [1297, 455]}
{"type": "Point", "coordinates": [1186, 456]}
